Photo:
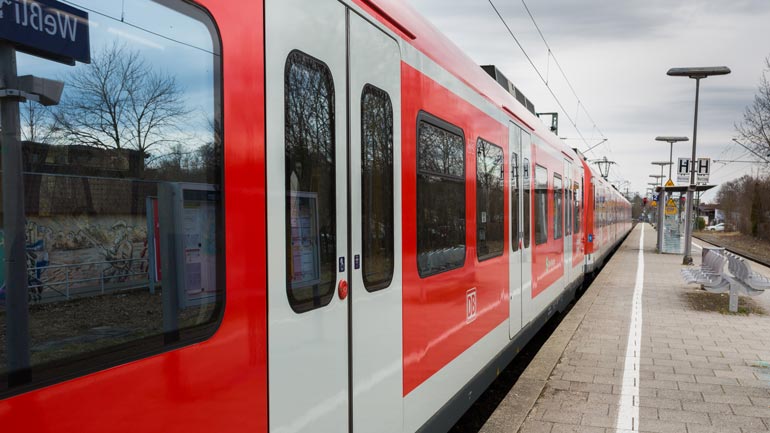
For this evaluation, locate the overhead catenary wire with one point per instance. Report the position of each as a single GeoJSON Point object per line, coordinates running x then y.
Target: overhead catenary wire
{"type": "Point", "coordinates": [545, 81]}
{"type": "Point", "coordinates": [122, 20]}
{"type": "Point", "coordinates": [561, 70]}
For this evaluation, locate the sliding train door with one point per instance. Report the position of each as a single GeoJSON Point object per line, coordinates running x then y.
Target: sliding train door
{"type": "Point", "coordinates": [566, 209]}
{"type": "Point", "coordinates": [520, 262]}
{"type": "Point", "coordinates": [307, 215]}
{"type": "Point", "coordinates": [333, 215]}
{"type": "Point", "coordinates": [375, 228]}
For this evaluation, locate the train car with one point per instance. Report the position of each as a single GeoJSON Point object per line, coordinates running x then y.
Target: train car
{"type": "Point", "coordinates": [279, 216]}
{"type": "Point", "coordinates": [608, 219]}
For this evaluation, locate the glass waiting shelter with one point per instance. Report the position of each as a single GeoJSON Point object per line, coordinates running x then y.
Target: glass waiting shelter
{"type": "Point", "coordinates": [671, 215]}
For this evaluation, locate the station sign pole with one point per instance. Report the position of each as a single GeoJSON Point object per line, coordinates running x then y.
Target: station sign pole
{"type": "Point", "coordinates": [55, 31]}
{"type": "Point", "coordinates": [16, 291]}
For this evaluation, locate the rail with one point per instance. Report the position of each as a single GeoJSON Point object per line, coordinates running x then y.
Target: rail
{"type": "Point", "coordinates": [753, 257]}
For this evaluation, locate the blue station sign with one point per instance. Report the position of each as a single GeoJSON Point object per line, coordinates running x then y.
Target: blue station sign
{"type": "Point", "coordinates": [46, 28]}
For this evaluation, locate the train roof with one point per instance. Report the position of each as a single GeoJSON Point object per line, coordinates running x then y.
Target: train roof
{"type": "Point", "coordinates": [403, 19]}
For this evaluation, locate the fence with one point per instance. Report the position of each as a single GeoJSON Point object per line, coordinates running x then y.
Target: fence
{"type": "Point", "coordinates": [51, 283]}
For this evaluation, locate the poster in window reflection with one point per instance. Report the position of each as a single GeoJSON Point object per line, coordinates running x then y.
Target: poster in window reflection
{"type": "Point", "coordinates": [198, 224]}
{"type": "Point", "coordinates": [305, 239]}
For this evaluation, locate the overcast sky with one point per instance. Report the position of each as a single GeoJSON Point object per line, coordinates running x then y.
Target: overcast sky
{"type": "Point", "coordinates": [616, 54]}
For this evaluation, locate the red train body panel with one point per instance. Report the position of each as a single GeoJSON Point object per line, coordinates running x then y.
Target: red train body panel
{"type": "Point", "coordinates": [436, 305]}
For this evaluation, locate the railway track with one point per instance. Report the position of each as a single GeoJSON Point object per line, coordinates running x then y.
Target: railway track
{"type": "Point", "coordinates": [738, 251]}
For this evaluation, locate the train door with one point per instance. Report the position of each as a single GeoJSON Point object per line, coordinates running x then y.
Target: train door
{"type": "Point", "coordinates": [334, 297]}
{"type": "Point", "coordinates": [520, 262]}
{"type": "Point", "coordinates": [567, 218]}
{"type": "Point", "coordinates": [517, 228]}
{"type": "Point", "coordinates": [306, 160]}
{"type": "Point", "coordinates": [375, 228]}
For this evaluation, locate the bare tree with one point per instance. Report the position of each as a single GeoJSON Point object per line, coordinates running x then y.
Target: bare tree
{"type": "Point", "coordinates": [745, 209]}
{"type": "Point", "coordinates": [36, 121]}
{"type": "Point", "coordinates": [754, 129]}
{"type": "Point", "coordinates": [119, 102]}
{"type": "Point", "coordinates": [193, 164]}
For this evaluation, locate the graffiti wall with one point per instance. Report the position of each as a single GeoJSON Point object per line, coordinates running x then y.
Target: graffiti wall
{"type": "Point", "coordinates": [71, 253]}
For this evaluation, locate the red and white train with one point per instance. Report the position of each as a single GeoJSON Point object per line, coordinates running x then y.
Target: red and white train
{"type": "Point", "coordinates": [396, 226]}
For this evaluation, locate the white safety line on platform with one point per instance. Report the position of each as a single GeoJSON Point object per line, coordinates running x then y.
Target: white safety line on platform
{"type": "Point", "coordinates": [628, 406]}
{"type": "Point", "coordinates": [697, 246]}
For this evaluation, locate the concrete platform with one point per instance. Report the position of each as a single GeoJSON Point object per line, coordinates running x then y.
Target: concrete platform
{"type": "Point", "coordinates": [644, 351]}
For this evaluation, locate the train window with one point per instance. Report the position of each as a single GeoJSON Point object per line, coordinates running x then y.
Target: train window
{"type": "Point", "coordinates": [568, 198]}
{"type": "Point", "coordinates": [116, 200]}
{"type": "Point", "coordinates": [490, 200]}
{"type": "Point", "coordinates": [440, 196]}
{"type": "Point", "coordinates": [577, 207]}
{"type": "Point", "coordinates": [376, 188]}
{"type": "Point", "coordinates": [541, 205]}
{"type": "Point", "coordinates": [527, 200]}
{"type": "Point", "coordinates": [601, 208]}
{"type": "Point", "coordinates": [558, 207]}
{"type": "Point", "coordinates": [515, 208]}
{"type": "Point", "coordinates": [597, 214]}
{"type": "Point", "coordinates": [311, 235]}
{"type": "Point", "coordinates": [605, 210]}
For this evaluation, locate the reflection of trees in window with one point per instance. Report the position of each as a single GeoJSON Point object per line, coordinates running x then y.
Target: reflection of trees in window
{"type": "Point", "coordinates": [440, 152]}
{"type": "Point", "coordinates": [525, 167]}
{"type": "Point", "coordinates": [489, 199]}
{"type": "Point", "coordinates": [541, 205]}
{"type": "Point", "coordinates": [36, 122]}
{"type": "Point", "coordinates": [310, 182]}
{"type": "Point", "coordinates": [576, 207]}
{"type": "Point", "coordinates": [377, 187]}
{"type": "Point", "coordinates": [440, 196]}
{"type": "Point", "coordinates": [558, 206]}
{"type": "Point", "coordinates": [515, 208]}
{"type": "Point", "coordinates": [568, 197]}
{"type": "Point", "coordinates": [119, 101]}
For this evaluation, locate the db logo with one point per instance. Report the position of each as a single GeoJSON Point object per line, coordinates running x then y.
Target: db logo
{"type": "Point", "coordinates": [470, 305]}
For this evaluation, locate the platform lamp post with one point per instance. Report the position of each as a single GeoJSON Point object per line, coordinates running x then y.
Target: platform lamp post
{"type": "Point", "coordinates": [662, 164]}
{"type": "Point", "coordinates": [658, 178]}
{"type": "Point", "coordinates": [697, 74]}
{"type": "Point", "coordinates": [670, 140]}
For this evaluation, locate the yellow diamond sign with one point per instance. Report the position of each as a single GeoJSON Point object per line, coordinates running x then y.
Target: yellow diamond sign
{"type": "Point", "coordinates": [670, 207]}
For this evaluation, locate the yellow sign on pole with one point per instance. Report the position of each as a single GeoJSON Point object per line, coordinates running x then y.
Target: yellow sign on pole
{"type": "Point", "coordinates": [654, 203]}
{"type": "Point", "coordinates": [671, 207]}
{"type": "Point", "coordinates": [670, 183]}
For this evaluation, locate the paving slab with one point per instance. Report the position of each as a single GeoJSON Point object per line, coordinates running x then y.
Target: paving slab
{"type": "Point", "coordinates": [644, 351]}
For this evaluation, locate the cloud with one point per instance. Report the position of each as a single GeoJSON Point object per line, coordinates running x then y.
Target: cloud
{"type": "Point", "coordinates": [615, 55]}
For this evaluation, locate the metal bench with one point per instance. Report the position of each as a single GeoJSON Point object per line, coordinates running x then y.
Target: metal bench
{"type": "Point", "coordinates": [711, 272]}
{"type": "Point", "coordinates": [749, 282]}
{"type": "Point", "coordinates": [741, 280]}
